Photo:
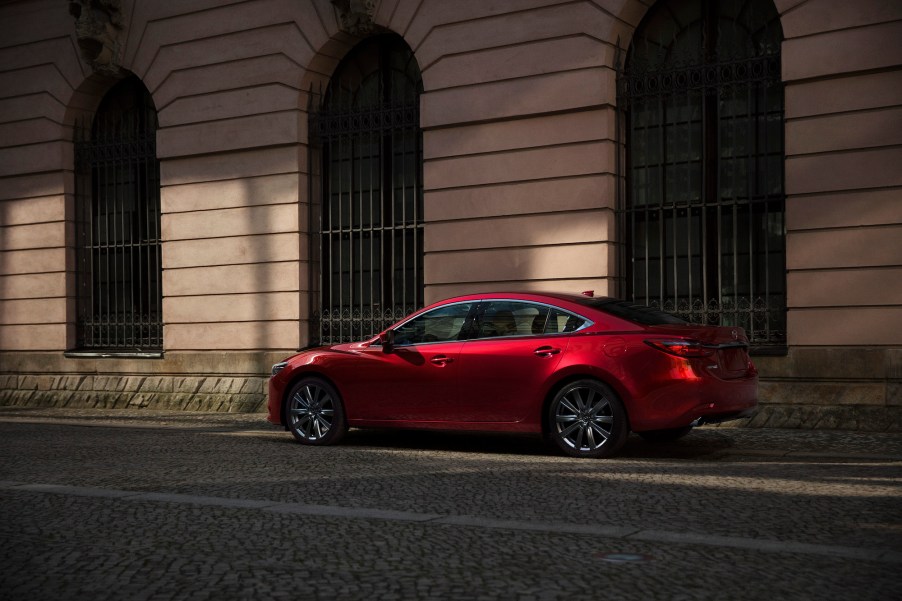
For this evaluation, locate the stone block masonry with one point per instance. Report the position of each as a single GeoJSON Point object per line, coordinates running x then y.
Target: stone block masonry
{"type": "Point", "coordinates": [192, 393]}
{"type": "Point", "coordinates": [226, 382]}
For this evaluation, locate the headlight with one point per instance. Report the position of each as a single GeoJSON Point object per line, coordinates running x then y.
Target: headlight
{"type": "Point", "coordinates": [278, 367]}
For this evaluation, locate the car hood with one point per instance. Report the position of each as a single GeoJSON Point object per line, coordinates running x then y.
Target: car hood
{"type": "Point", "coordinates": [343, 348]}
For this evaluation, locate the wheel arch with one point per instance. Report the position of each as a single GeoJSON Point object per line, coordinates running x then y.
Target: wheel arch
{"type": "Point", "coordinates": [296, 377]}
{"type": "Point", "coordinates": [586, 373]}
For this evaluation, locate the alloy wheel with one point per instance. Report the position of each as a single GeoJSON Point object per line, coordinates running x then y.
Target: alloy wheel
{"type": "Point", "coordinates": [584, 419]}
{"type": "Point", "coordinates": [587, 419]}
{"type": "Point", "coordinates": [311, 412]}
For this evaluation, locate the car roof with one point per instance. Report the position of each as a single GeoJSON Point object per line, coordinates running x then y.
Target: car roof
{"type": "Point", "coordinates": [582, 304]}
{"type": "Point", "coordinates": [524, 295]}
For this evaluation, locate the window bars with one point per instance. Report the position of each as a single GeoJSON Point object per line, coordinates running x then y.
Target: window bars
{"type": "Point", "coordinates": [119, 303]}
{"type": "Point", "coordinates": [367, 198]}
{"type": "Point", "coordinates": [702, 217]}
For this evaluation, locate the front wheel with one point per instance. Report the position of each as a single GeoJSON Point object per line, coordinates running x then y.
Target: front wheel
{"type": "Point", "coordinates": [314, 412]}
{"type": "Point", "coordinates": [586, 419]}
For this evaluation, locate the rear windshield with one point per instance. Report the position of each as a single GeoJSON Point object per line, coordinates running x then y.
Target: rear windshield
{"type": "Point", "coordinates": [633, 312]}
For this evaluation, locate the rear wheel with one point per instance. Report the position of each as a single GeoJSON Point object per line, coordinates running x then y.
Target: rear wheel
{"type": "Point", "coordinates": [668, 435]}
{"type": "Point", "coordinates": [314, 412]}
{"type": "Point", "coordinates": [586, 419]}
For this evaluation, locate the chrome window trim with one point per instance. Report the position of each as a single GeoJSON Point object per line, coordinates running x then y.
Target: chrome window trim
{"type": "Point", "coordinates": [418, 315]}
{"type": "Point", "coordinates": [587, 323]}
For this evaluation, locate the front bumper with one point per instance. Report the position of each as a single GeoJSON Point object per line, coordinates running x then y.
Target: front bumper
{"type": "Point", "coordinates": [274, 402]}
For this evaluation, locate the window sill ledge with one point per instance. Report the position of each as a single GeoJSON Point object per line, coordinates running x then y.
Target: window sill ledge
{"type": "Point", "coordinates": [113, 354]}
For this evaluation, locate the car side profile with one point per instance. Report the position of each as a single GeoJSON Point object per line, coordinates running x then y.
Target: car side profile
{"type": "Point", "coordinates": [583, 371]}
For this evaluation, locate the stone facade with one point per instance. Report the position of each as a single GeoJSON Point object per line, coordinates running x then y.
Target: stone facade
{"type": "Point", "coordinates": [231, 382]}
{"type": "Point", "coordinates": [520, 175]}
{"type": "Point", "coordinates": [843, 388]}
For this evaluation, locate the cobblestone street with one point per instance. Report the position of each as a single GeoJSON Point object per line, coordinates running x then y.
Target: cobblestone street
{"type": "Point", "coordinates": [150, 505]}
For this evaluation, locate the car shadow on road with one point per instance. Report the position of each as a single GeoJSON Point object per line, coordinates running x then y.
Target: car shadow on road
{"type": "Point", "coordinates": [461, 442]}
{"type": "Point", "coordinates": [691, 447]}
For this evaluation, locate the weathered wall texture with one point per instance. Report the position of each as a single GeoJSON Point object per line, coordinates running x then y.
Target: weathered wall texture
{"type": "Point", "coordinates": [842, 66]}
{"type": "Point", "coordinates": [518, 116]}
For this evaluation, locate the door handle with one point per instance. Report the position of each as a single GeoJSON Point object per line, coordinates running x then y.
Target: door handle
{"type": "Point", "coordinates": [441, 360]}
{"type": "Point", "coordinates": [546, 351]}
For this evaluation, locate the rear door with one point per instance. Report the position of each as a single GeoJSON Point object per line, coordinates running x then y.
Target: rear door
{"type": "Point", "coordinates": [503, 369]}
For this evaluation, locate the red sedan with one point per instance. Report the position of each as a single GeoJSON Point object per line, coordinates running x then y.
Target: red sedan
{"type": "Point", "coordinates": [583, 371]}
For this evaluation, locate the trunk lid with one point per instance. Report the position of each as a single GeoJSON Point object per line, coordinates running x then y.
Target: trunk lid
{"type": "Point", "coordinates": [729, 343]}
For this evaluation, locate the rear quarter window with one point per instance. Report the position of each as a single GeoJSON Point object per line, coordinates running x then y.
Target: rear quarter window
{"type": "Point", "coordinates": [561, 322]}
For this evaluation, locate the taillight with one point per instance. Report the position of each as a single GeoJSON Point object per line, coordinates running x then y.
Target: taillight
{"type": "Point", "coordinates": [687, 349]}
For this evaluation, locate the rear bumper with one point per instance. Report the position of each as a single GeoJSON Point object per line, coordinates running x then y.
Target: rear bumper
{"type": "Point", "coordinates": [705, 401]}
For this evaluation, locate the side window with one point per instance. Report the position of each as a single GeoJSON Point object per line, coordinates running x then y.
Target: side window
{"type": "Point", "coordinates": [439, 325]}
{"type": "Point", "coordinates": [510, 318]}
{"type": "Point", "coordinates": [560, 322]}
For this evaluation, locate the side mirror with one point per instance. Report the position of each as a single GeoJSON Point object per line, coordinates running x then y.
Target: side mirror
{"type": "Point", "coordinates": [387, 338]}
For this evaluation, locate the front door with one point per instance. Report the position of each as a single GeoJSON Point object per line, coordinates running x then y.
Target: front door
{"type": "Point", "coordinates": [419, 378]}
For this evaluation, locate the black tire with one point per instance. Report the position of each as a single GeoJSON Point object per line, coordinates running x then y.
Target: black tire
{"type": "Point", "coordinates": [587, 419]}
{"type": "Point", "coordinates": [314, 412]}
{"type": "Point", "coordinates": [668, 435]}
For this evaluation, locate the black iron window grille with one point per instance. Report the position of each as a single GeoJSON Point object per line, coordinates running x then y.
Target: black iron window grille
{"type": "Point", "coordinates": [119, 301]}
{"type": "Point", "coordinates": [702, 213]}
{"type": "Point", "coordinates": [367, 193]}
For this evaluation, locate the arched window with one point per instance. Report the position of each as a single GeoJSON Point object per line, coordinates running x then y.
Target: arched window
{"type": "Point", "coordinates": [368, 197]}
{"type": "Point", "coordinates": [703, 225]}
{"type": "Point", "coordinates": [118, 224]}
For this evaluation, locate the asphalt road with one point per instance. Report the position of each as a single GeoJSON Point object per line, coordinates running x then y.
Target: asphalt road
{"type": "Point", "coordinates": [141, 505]}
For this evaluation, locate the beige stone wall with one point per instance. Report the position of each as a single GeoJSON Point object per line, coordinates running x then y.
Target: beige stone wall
{"type": "Point", "coordinates": [519, 125]}
{"type": "Point", "coordinates": [842, 64]}
{"type": "Point", "coordinates": [518, 118]}
{"type": "Point", "coordinates": [228, 80]}
{"type": "Point", "coordinates": [519, 121]}
{"type": "Point", "coordinates": [38, 71]}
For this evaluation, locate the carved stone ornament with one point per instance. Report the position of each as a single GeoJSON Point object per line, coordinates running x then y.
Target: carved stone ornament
{"type": "Point", "coordinates": [98, 28]}
{"type": "Point", "coordinates": [355, 16]}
